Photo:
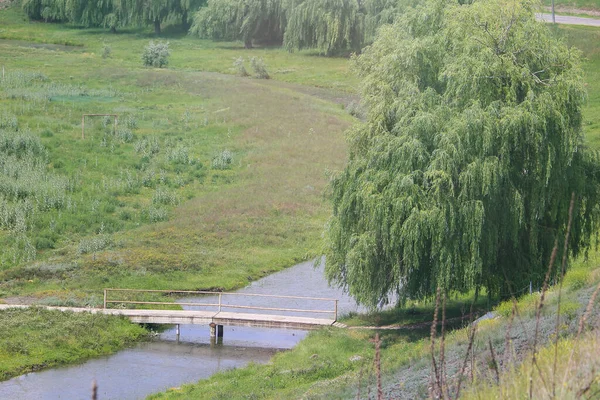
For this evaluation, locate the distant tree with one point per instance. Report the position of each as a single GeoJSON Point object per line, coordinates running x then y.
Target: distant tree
{"type": "Point", "coordinates": [246, 20]}
{"type": "Point", "coordinates": [113, 14]}
{"type": "Point", "coordinates": [93, 13]}
{"type": "Point", "coordinates": [331, 26]}
{"type": "Point", "coordinates": [47, 10]}
{"type": "Point", "coordinates": [462, 174]}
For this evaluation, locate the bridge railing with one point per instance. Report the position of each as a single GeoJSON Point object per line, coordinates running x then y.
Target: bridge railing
{"type": "Point", "coordinates": [218, 301]}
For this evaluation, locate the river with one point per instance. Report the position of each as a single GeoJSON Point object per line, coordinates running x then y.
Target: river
{"type": "Point", "coordinates": [167, 362]}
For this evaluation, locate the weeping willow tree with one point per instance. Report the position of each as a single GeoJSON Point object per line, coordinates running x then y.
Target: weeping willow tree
{"type": "Point", "coordinates": [462, 174]}
{"type": "Point", "coordinates": [246, 20]}
{"type": "Point", "coordinates": [382, 12]}
{"type": "Point", "coordinates": [47, 10]}
{"type": "Point", "coordinates": [330, 26]}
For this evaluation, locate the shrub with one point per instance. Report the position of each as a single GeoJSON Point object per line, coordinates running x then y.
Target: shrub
{"type": "Point", "coordinates": [106, 50]}
{"type": "Point", "coordinates": [125, 135]}
{"type": "Point", "coordinates": [222, 160]}
{"type": "Point", "coordinates": [154, 214]}
{"type": "Point", "coordinates": [179, 155]}
{"type": "Point", "coordinates": [94, 244]}
{"type": "Point", "coordinates": [240, 69]}
{"type": "Point", "coordinates": [156, 54]}
{"type": "Point", "coordinates": [259, 67]}
{"type": "Point", "coordinates": [163, 196]}
{"type": "Point", "coordinates": [576, 279]}
{"type": "Point", "coordinates": [9, 121]}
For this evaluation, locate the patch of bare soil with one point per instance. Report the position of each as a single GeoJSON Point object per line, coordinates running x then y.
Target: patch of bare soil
{"type": "Point", "coordinates": [19, 300]}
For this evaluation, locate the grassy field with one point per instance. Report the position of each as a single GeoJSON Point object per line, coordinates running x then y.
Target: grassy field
{"type": "Point", "coordinates": [592, 6]}
{"type": "Point", "coordinates": [210, 180]}
{"type": "Point", "coordinates": [37, 338]}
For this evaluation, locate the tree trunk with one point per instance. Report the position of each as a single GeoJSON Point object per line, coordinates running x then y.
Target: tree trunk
{"type": "Point", "coordinates": [184, 21]}
{"type": "Point", "coordinates": [248, 43]}
{"type": "Point", "coordinates": [157, 26]}
{"type": "Point", "coordinates": [113, 29]}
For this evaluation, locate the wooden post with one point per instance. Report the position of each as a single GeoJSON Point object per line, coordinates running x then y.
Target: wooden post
{"type": "Point", "coordinates": [213, 329]}
{"type": "Point", "coordinates": [83, 126]}
{"type": "Point", "coordinates": [220, 296]}
{"type": "Point", "coordinates": [116, 118]}
{"type": "Point", "coordinates": [177, 331]}
{"type": "Point", "coordinates": [105, 298]}
{"type": "Point", "coordinates": [219, 331]}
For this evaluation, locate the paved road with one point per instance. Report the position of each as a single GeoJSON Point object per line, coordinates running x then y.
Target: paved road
{"type": "Point", "coordinates": [563, 19]}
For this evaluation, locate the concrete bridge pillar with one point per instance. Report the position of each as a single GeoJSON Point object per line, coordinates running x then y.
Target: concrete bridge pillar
{"type": "Point", "coordinates": [216, 330]}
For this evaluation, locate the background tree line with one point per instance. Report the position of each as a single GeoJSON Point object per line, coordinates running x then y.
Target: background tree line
{"type": "Point", "coordinates": [330, 26]}
{"type": "Point", "coordinates": [114, 14]}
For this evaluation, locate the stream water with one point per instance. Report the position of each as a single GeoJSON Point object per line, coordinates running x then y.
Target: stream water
{"type": "Point", "coordinates": [156, 366]}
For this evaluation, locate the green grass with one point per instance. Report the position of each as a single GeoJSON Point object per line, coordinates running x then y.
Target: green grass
{"type": "Point", "coordinates": [332, 364]}
{"type": "Point", "coordinates": [591, 5]}
{"type": "Point", "coordinates": [587, 39]}
{"type": "Point", "coordinates": [148, 207]}
{"type": "Point", "coordinates": [34, 339]}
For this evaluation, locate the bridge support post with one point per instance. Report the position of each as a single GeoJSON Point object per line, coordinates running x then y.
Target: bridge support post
{"type": "Point", "coordinates": [216, 330]}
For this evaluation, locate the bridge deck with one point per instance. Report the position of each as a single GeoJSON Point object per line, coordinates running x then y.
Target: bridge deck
{"type": "Point", "coordinates": [201, 317]}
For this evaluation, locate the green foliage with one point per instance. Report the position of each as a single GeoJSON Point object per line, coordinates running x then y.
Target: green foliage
{"type": "Point", "coordinates": [576, 279]}
{"type": "Point", "coordinates": [246, 20]}
{"type": "Point", "coordinates": [106, 50]}
{"type": "Point", "coordinates": [156, 54]}
{"type": "Point", "coordinates": [330, 26]}
{"type": "Point", "coordinates": [462, 174]}
{"type": "Point", "coordinates": [240, 69]}
{"type": "Point", "coordinates": [222, 160]}
{"type": "Point", "coordinates": [47, 10]}
{"type": "Point", "coordinates": [113, 14]}
{"type": "Point", "coordinates": [259, 68]}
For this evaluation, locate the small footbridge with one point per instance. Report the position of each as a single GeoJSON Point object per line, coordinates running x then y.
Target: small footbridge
{"type": "Point", "coordinates": [215, 309]}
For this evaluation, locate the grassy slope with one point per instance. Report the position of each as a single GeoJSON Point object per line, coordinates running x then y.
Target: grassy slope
{"type": "Point", "coordinates": [587, 5]}
{"type": "Point", "coordinates": [36, 338]}
{"type": "Point", "coordinates": [264, 213]}
{"type": "Point", "coordinates": [224, 227]}
{"type": "Point", "coordinates": [405, 355]}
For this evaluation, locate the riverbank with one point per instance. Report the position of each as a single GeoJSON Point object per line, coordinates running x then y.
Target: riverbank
{"type": "Point", "coordinates": [35, 338]}
{"type": "Point", "coordinates": [339, 364]}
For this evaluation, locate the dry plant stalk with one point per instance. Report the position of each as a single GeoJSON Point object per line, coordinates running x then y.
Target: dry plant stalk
{"type": "Point", "coordinates": [360, 373]}
{"type": "Point", "coordinates": [464, 365]}
{"type": "Point", "coordinates": [494, 362]}
{"type": "Point", "coordinates": [538, 315]}
{"type": "Point", "coordinates": [436, 386]}
{"type": "Point", "coordinates": [378, 366]}
{"type": "Point", "coordinates": [442, 368]}
{"type": "Point", "coordinates": [507, 338]}
{"type": "Point", "coordinates": [562, 274]}
{"type": "Point", "coordinates": [582, 321]}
